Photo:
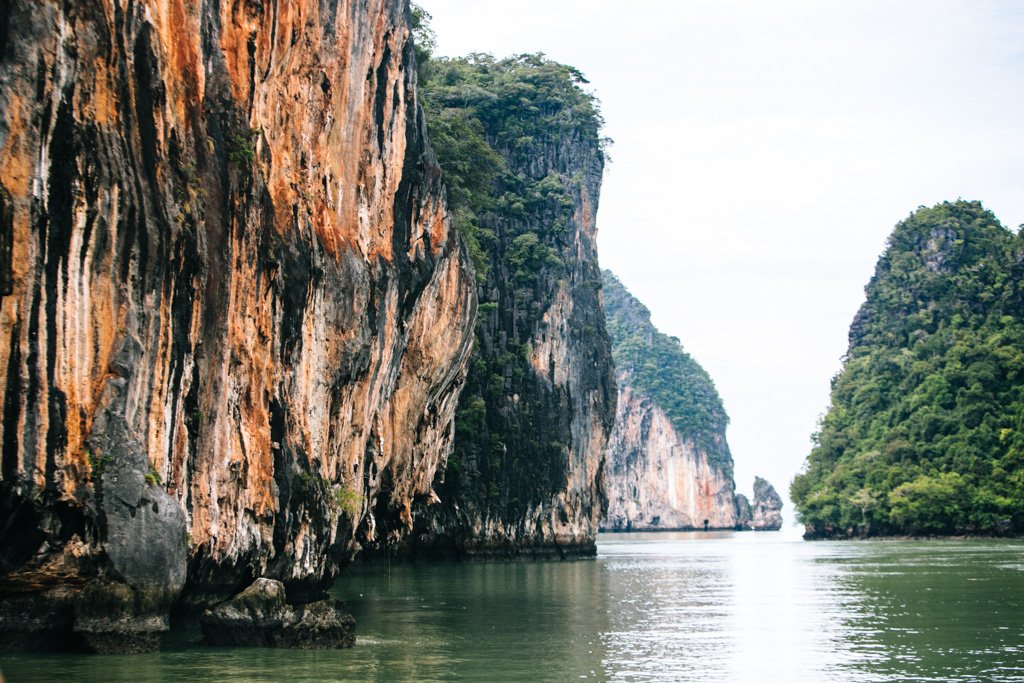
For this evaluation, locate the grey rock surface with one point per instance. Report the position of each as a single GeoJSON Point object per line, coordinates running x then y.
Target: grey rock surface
{"type": "Point", "coordinates": [767, 507]}
{"type": "Point", "coordinates": [259, 616]}
{"type": "Point", "coordinates": [744, 513]}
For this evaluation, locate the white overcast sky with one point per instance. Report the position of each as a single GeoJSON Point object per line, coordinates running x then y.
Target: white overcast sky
{"type": "Point", "coordinates": [763, 152]}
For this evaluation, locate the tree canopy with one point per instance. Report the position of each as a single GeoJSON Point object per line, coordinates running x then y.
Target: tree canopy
{"type": "Point", "coordinates": [498, 127]}
{"type": "Point", "coordinates": [925, 432]}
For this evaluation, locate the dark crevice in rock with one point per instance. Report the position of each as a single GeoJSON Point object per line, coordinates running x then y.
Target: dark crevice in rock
{"type": "Point", "coordinates": [298, 276]}
{"type": "Point", "coordinates": [12, 407]}
{"type": "Point", "coordinates": [5, 26]}
{"type": "Point", "coordinates": [6, 243]}
{"type": "Point", "coordinates": [63, 176]}
{"type": "Point", "coordinates": [146, 98]}
{"type": "Point", "coordinates": [380, 95]}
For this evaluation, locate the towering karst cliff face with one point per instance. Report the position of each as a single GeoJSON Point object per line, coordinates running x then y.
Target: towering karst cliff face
{"type": "Point", "coordinates": [535, 416]}
{"type": "Point", "coordinates": [659, 479]}
{"type": "Point", "coordinates": [234, 323]}
{"type": "Point", "coordinates": [669, 466]}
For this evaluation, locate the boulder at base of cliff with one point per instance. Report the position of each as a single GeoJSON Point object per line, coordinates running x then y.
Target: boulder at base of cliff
{"type": "Point", "coordinates": [115, 618]}
{"type": "Point", "coordinates": [259, 616]}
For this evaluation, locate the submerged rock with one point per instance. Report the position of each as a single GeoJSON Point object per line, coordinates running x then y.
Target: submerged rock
{"type": "Point", "coordinates": [114, 618]}
{"type": "Point", "coordinates": [106, 617]}
{"type": "Point", "coordinates": [37, 621]}
{"type": "Point", "coordinates": [260, 616]}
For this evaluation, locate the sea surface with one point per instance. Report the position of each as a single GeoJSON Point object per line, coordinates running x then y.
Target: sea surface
{"type": "Point", "coordinates": [652, 607]}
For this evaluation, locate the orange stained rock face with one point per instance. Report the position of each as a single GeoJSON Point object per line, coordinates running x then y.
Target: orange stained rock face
{"type": "Point", "coordinates": [585, 211]}
{"type": "Point", "coordinates": [16, 160]}
{"type": "Point", "coordinates": [435, 219]}
{"type": "Point", "coordinates": [329, 111]}
{"type": "Point", "coordinates": [184, 79]}
{"type": "Point", "coordinates": [161, 300]}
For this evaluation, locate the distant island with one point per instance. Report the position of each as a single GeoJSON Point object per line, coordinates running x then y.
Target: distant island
{"type": "Point", "coordinates": [669, 464]}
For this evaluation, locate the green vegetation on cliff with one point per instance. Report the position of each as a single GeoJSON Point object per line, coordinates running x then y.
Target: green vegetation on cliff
{"type": "Point", "coordinates": [925, 433]}
{"type": "Point", "coordinates": [657, 365]}
{"type": "Point", "coordinates": [488, 119]}
{"type": "Point", "coordinates": [518, 143]}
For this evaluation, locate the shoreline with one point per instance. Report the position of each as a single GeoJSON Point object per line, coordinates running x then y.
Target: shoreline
{"type": "Point", "coordinates": [913, 537]}
{"type": "Point", "coordinates": [679, 529]}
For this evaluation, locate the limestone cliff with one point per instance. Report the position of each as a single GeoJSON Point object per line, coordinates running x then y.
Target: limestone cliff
{"type": "Point", "coordinates": [234, 323]}
{"type": "Point", "coordinates": [659, 479]}
{"type": "Point", "coordinates": [744, 513]}
{"type": "Point", "coordinates": [533, 421]}
{"type": "Point", "coordinates": [669, 466]}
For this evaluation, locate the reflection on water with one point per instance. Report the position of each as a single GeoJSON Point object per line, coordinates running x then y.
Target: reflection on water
{"type": "Point", "coordinates": [769, 607]}
{"type": "Point", "coordinates": [747, 607]}
{"type": "Point", "coordinates": [652, 607]}
{"type": "Point", "coordinates": [927, 609]}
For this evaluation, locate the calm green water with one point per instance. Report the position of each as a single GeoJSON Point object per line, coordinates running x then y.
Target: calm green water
{"type": "Point", "coordinates": [652, 607]}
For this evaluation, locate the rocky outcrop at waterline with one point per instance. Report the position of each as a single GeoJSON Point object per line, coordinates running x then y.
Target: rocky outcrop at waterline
{"type": "Point", "coordinates": [669, 465]}
{"type": "Point", "coordinates": [260, 616]}
{"type": "Point", "coordinates": [234, 323]}
{"type": "Point", "coordinates": [767, 507]}
{"type": "Point", "coordinates": [765, 514]}
{"type": "Point", "coordinates": [744, 513]}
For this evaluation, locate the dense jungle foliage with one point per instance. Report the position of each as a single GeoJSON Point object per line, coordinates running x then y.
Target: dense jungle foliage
{"type": "Point", "coordinates": [487, 119]}
{"type": "Point", "coordinates": [656, 365]}
{"type": "Point", "coordinates": [925, 433]}
{"type": "Point", "coordinates": [515, 139]}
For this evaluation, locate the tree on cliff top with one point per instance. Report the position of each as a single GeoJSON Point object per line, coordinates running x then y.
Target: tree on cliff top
{"type": "Point", "coordinates": [925, 433]}
{"type": "Point", "coordinates": [487, 115]}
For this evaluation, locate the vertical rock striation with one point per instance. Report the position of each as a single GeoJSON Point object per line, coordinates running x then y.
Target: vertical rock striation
{"type": "Point", "coordinates": [533, 421]}
{"type": "Point", "coordinates": [657, 478]}
{"type": "Point", "coordinates": [669, 465]}
{"type": "Point", "coordinates": [233, 324]}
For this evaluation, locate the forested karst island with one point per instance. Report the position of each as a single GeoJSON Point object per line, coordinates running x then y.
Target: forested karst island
{"type": "Point", "coordinates": [924, 433]}
{"type": "Point", "coordinates": [519, 145]}
{"type": "Point", "coordinates": [669, 464]}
